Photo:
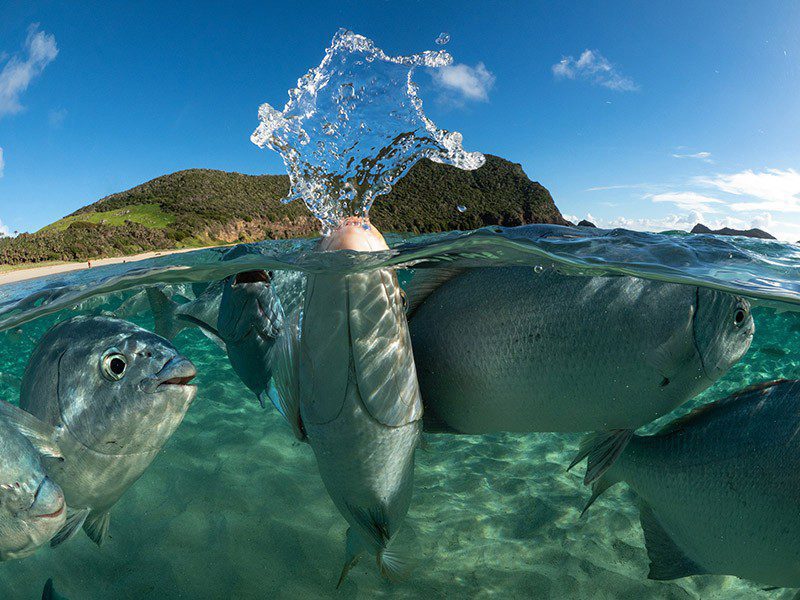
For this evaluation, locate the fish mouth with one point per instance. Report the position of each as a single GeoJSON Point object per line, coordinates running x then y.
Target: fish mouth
{"type": "Point", "coordinates": [259, 276]}
{"type": "Point", "coordinates": [178, 372]}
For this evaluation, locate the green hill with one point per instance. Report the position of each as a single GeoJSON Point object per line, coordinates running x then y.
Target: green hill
{"type": "Point", "coordinates": [205, 207]}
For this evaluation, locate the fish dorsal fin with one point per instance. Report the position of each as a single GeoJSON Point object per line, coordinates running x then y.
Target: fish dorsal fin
{"type": "Point", "coordinates": [381, 349]}
{"type": "Point", "coordinates": [425, 282]}
{"type": "Point", "coordinates": [285, 374]}
{"type": "Point", "coordinates": [40, 434]}
{"type": "Point", "coordinates": [163, 309]}
{"type": "Point", "coordinates": [747, 394]}
{"type": "Point", "coordinates": [667, 560]}
{"type": "Point", "coordinates": [675, 353]}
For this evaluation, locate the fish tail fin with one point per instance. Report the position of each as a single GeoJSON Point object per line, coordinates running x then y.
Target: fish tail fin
{"type": "Point", "coordinates": [394, 564]}
{"type": "Point", "coordinates": [286, 376]}
{"type": "Point", "coordinates": [163, 309]}
{"type": "Point", "coordinates": [43, 436]}
{"type": "Point", "coordinates": [96, 527]}
{"type": "Point", "coordinates": [601, 449]}
{"type": "Point", "coordinates": [75, 520]}
{"type": "Point", "coordinates": [667, 559]}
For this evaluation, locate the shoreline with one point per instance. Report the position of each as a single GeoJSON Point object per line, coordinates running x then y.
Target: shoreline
{"type": "Point", "coordinates": [33, 272]}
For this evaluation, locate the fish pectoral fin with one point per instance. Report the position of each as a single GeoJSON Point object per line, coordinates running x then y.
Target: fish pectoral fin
{"type": "Point", "coordinates": [601, 449]}
{"type": "Point", "coordinates": [40, 434]}
{"type": "Point", "coordinates": [674, 354]}
{"type": "Point", "coordinates": [75, 520]}
{"type": "Point", "coordinates": [209, 331]}
{"type": "Point", "coordinates": [667, 560]}
{"type": "Point", "coordinates": [96, 526]}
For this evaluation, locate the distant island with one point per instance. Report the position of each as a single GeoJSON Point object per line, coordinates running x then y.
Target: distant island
{"type": "Point", "coordinates": [203, 207]}
{"type": "Point", "coordinates": [753, 233]}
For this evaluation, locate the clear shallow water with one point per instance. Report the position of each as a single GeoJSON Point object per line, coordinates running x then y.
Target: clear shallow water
{"type": "Point", "coordinates": [234, 507]}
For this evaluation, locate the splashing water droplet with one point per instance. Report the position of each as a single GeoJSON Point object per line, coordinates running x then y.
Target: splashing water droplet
{"type": "Point", "coordinates": [363, 105]}
{"type": "Point", "coordinates": [443, 38]}
{"type": "Point", "coordinates": [538, 269]}
{"type": "Point", "coordinates": [461, 208]}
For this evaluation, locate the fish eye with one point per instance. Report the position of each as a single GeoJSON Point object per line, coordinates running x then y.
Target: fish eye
{"type": "Point", "coordinates": [740, 315]}
{"type": "Point", "coordinates": [114, 366]}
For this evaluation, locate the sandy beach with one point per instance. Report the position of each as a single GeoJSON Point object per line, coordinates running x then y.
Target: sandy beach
{"type": "Point", "coordinates": [25, 273]}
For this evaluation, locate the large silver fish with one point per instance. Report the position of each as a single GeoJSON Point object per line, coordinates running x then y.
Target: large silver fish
{"type": "Point", "coordinates": [513, 349]}
{"type": "Point", "coordinates": [117, 393]}
{"type": "Point", "coordinates": [719, 489]}
{"type": "Point", "coordinates": [32, 507]}
{"type": "Point", "coordinates": [349, 387]}
{"type": "Point", "coordinates": [250, 320]}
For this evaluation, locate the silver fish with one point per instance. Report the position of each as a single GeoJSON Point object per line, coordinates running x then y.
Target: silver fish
{"type": "Point", "coordinates": [250, 320]}
{"type": "Point", "coordinates": [513, 349]}
{"type": "Point", "coordinates": [348, 386]}
{"type": "Point", "coordinates": [719, 490]}
{"type": "Point", "coordinates": [117, 393]}
{"type": "Point", "coordinates": [32, 507]}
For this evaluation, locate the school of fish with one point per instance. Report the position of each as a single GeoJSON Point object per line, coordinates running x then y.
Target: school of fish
{"type": "Point", "coordinates": [360, 367]}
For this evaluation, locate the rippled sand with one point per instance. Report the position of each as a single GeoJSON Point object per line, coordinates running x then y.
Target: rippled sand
{"type": "Point", "coordinates": [234, 508]}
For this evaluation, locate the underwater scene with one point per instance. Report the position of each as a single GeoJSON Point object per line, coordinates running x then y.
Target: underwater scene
{"type": "Point", "coordinates": [233, 505]}
{"type": "Point", "coordinates": [540, 411]}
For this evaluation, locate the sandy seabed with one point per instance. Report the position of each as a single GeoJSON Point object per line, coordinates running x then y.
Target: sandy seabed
{"type": "Point", "coordinates": [234, 508]}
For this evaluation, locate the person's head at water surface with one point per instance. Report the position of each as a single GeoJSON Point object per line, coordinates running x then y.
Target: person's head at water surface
{"type": "Point", "coordinates": [354, 233]}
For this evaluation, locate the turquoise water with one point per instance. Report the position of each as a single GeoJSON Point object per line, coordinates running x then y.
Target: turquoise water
{"type": "Point", "coordinates": [234, 507]}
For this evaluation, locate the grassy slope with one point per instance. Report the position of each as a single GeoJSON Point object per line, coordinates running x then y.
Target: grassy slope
{"type": "Point", "coordinates": [204, 207]}
{"type": "Point", "coordinates": [149, 215]}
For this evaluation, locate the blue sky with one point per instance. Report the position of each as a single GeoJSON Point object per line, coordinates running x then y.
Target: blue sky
{"type": "Point", "coordinates": [644, 116]}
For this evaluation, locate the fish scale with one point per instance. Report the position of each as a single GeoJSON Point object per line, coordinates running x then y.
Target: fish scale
{"type": "Point", "coordinates": [572, 353]}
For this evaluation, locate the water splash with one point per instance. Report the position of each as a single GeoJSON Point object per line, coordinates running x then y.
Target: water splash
{"type": "Point", "coordinates": [353, 126]}
{"type": "Point", "coordinates": [461, 208]}
{"type": "Point", "coordinates": [443, 38]}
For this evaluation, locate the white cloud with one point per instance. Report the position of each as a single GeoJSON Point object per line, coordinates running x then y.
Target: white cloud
{"type": "Point", "coordinates": [774, 189]}
{"type": "Point", "coordinates": [594, 67]}
{"type": "Point", "coordinates": [4, 231]}
{"type": "Point", "coordinates": [2, 163]}
{"type": "Point", "coordinates": [470, 83]}
{"type": "Point", "coordinates": [625, 186]}
{"type": "Point", "coordinates": [674, 221]}
{"type": "Point", "coordinates": [704, 156]}
{"type": "Point", "coordinates": [56, 117]}
{"type": "Point", "coordinates": [688, 201]}
{"type": "Point", "coordinates": [38, 51]}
